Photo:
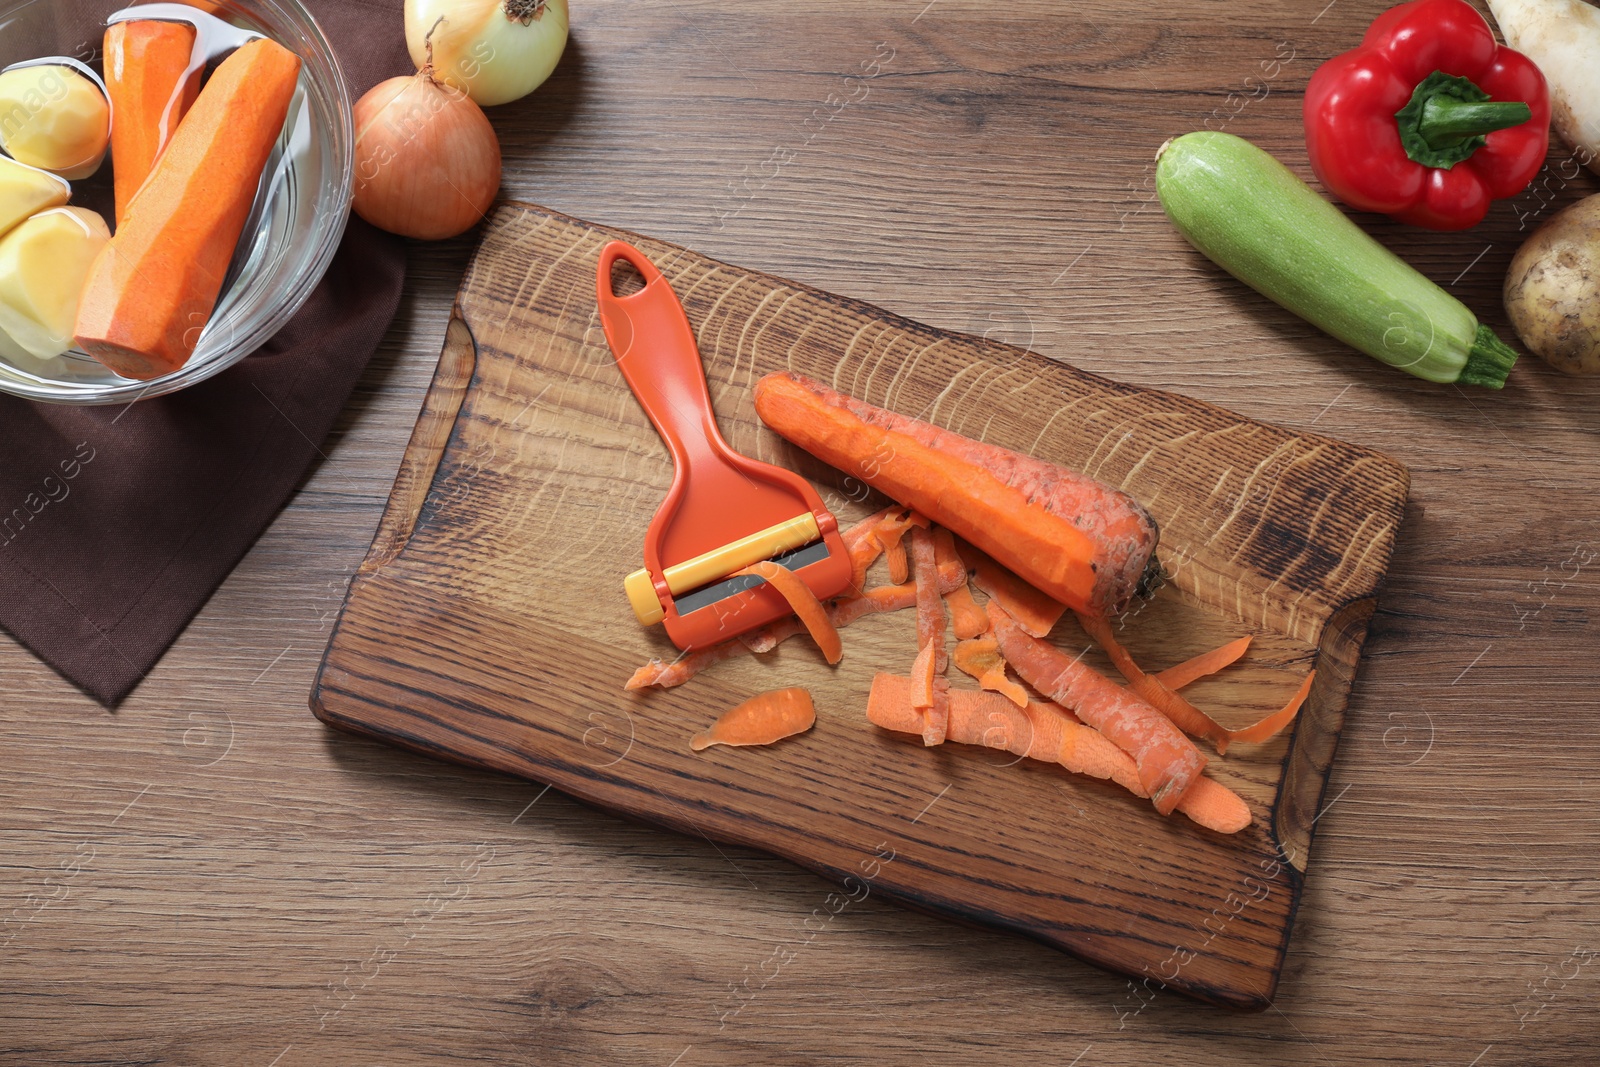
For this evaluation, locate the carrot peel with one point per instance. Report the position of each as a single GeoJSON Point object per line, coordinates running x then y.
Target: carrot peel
{"type": "Point", "coordinates": [980, 658]}
{"type": "Point", "coordinates": [1048, 733]}
{"type": "Point", "coordinates": [966, 618]}
{"type": "Point", "coordinates": [922, 679]}
{"type": "Point", "coordinates": [1207, 663]}
{"type": "Point", "coordinates": [930, 633]}
{"type": "Point", "coordinates": [1269, 727]}
{"type": "Point", "coordinates": [1188, 718]}
{"type": "Point", "coordinates": [805, 604]}
{"type": "Point", "coordinates": [1168, 761]}
{"type": "Point", "coordinates": [1036, 612]}
{"type": "Point", "coordinates": [761, 720]}
{"type": "Point", "coordinates": [863, 546]}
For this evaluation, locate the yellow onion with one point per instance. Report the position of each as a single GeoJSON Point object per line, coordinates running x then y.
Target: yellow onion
{"type": "Point", "coordinates": [496, 50]}
{"type": "Point", "coordinates": [427, 160]}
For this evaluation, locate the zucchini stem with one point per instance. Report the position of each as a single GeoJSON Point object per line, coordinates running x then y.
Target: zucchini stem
{"type": "Point", "coordinates": [1489, 361]}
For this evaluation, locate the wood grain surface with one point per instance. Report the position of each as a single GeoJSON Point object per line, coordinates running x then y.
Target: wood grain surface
{"type": "Point", "coordinates": [210, 876]}
{"type": "Point", "coordinates": [488, 626]}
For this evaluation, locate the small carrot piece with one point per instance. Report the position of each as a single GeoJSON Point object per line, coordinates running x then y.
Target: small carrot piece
{"type": "Point", "coordinates": [1188, 718]}
{"type": "Point", "coordinates": [1168, 761]}
{"type": "Point", "coordinates": [930, 631]}
{"type": "Point", "coordinates": [1037, 612]}
{"type": "Point", "coordinates": [1081, 541]}
{"type": "Point", "coordinates": [1207, 663]}
{"type": "Point", "coordinates": [761, 720]}
{"type": "Point", "coordinates": [805, 604]}
{"type": "Point", "coordinates": [1049, 733]}
{"type": "Point", "coordinates": [980, 658]}
{"type": "Point", "coordinates": [966, 618]}
{"type": "Point", "coordinates": [1215, 806]}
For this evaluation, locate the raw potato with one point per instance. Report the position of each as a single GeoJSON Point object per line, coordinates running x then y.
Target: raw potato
{"type": "Point", "coordinates": [1553, 290]}
{"type": "Point", "coordinates": [54, 118]}
{"type": "Point", "coordinates": [43, 264]}
{"type": "Point", "coordinates": [25, 191]}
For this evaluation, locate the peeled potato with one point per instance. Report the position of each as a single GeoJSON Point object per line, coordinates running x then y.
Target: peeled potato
{"type": "Point", "coordinates": [26, 191]}
{"type": "Point", "coordinates": [55, 118]}
{"type": "Point", "coordinates": [1552, 290]}
{"type": "Point", "coordinates": [44, 263]}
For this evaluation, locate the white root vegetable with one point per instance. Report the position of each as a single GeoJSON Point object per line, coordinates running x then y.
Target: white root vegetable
{"type": "Point", "coordinates": [1562, 37]}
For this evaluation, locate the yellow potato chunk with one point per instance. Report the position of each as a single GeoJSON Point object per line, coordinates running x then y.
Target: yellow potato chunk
{"type": "Point", "coordinates": [25, 191]}
{"type": "Point", "coordinates": [55, 118]}
{"type": "Point", "coordinates": [44, 263]}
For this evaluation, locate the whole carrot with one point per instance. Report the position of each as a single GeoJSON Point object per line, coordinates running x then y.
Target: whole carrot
{"type": "Point", "coordinates": [1084, 543]}
{"type": "Point", "coordinates": [1168, 761]}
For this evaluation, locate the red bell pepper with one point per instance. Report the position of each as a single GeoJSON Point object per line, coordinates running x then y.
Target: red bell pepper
{"type": "Point", "coordinates": [1428, 120]}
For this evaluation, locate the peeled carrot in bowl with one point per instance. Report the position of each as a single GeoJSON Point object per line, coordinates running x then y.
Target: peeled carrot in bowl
{"type": "Point", "coordinates": [152, 87]}
{"type": "Point", "coordinates": [154, 287]}
{"type": "Point", "coordinates": [1086, 544]}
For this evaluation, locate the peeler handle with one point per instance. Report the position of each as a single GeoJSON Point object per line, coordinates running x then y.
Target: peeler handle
{"type": "Point", "coordinates": [655, 349]}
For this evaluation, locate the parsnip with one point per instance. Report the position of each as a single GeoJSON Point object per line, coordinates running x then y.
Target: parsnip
{"type": "Point", "coordinates": [1563, 38]}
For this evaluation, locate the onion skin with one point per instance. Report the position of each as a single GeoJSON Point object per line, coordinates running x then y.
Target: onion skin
{"type": "Point", "coordinates": [496, 50]}
{"type": "Point", "coordinates": [427, 159]}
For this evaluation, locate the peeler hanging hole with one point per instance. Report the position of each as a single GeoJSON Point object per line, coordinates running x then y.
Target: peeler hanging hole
{"type": "Point", "coordinates": [625, 279]}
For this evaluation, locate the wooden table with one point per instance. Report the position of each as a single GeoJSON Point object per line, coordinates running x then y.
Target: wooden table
{"type": "Point", "coordinates": [209, 876]}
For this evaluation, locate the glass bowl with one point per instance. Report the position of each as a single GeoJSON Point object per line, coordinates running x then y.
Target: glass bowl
{"type": "Point", "coordinates": [300, 213]}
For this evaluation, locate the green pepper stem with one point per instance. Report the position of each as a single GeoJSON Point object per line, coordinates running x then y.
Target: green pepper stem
{"type": "Point", "coordinates": [1447, 120]}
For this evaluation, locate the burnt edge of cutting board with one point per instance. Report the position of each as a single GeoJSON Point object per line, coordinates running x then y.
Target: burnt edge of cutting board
{"type": "Point", "coordinates": [1306, 764]}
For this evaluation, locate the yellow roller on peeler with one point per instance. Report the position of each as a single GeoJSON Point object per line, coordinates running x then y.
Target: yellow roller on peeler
{"type": "Point", "coordinates": [718, 563]}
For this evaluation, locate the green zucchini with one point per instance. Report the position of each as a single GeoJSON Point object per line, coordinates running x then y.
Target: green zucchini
{"type": "Point", "coordinates": [1260, 223]}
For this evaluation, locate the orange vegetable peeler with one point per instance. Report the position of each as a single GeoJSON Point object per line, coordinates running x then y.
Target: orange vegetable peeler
{"type": "Point", "coordinates": [724, 511]}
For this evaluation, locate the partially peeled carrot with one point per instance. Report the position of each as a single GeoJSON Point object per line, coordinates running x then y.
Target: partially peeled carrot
{"type": "Point", "coordinates": [761, 720]}
{"type": "Point", "coordinates": [1084, 543]}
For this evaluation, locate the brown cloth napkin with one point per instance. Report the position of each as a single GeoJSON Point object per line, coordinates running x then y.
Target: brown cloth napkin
{"type": "Point", "coordinates": [118, 523]}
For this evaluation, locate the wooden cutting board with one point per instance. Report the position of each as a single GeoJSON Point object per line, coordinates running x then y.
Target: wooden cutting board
{"type": "Point", "coordinates": [488, 624]}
